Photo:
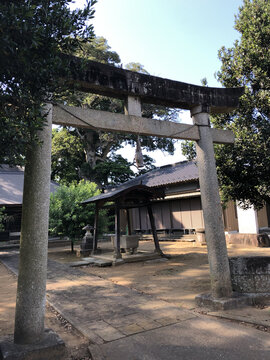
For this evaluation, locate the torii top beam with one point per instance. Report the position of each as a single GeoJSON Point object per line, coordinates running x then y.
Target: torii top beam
{"type": "Point", "coordinates": [91, 76]}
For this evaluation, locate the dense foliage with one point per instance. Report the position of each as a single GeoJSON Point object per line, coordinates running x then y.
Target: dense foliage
{"type": "Point", "coordinates": [99, 161]}
{"type": "Point", "coordinates": [67, 156]}
{"type": "Point", "coordinates": [68, 216]}
{"type": "Point", "coordinates": [244, 168]}
{"type": "Point", "coordinates": [33, 34]}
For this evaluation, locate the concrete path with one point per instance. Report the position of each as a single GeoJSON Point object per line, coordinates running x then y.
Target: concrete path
{"type": "Point", "coordinates": [125, 324]}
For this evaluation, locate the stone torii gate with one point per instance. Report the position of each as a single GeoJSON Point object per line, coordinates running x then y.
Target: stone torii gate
{"type": "Point", "coordinates": [134, 88]}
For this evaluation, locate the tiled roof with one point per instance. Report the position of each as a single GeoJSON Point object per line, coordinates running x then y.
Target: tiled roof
{"type": "Point", "coordinates": [171, 174]}
{"type": "Point", "coordinates": [11, 185]}
{"type": "Point", "coordinates": [162, 176]}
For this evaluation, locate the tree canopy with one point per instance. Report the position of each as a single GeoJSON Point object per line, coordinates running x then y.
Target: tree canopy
{"type": "Point", "coordinates": [33, 36]}
{"type": "Point", "coordinates": [99, 161]}
{"type": "Point", "coordinates": [68, 215]}
{"type": "Point", "coordinates": [244, 168]}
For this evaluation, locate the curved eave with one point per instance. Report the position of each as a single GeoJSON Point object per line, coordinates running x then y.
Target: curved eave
{"type": "Point", "coordinates": [115, 194]}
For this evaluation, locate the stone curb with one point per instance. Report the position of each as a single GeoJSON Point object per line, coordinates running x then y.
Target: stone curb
{"type": "Point", "coordinates": [242, 319]}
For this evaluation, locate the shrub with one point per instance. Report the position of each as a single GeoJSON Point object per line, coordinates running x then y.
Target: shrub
{"type": "Point", "coordinates": [67, 213]}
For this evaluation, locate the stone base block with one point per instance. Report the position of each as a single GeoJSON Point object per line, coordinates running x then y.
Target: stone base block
{"type": "Point", "coordinates": [128, 243]}
{"type": "Point", "coordinates": [118, 261]}
{"type": "Point", "coordinates": [236, 301]}
{"type": "Point", "coordinates": [51, 347]}
{"type": "Point", "coordinates": [84, 253]}
{"type": "Point", "coordinates": [259, 240]}
{"type": "Point", "coordinates": [250, 274]}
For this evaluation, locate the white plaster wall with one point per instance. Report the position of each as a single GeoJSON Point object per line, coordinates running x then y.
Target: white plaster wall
{"type": "Point", "coordinates": [247, 221]}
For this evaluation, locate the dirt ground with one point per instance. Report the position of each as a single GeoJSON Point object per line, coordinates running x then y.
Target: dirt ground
{"type": "Point", "coordinates": [177, 280]}
{"type": "Point", "coordinates": [76, 344]}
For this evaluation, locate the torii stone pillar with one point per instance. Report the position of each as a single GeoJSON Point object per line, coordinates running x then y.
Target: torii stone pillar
{"type": "Point", "coordinates": [31, 291]}
{"type": "Point", "coordinates": [212, 212]}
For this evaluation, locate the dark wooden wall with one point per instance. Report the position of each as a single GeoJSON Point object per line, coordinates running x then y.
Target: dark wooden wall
{"type": "Point", "coordinates": [171, 214]}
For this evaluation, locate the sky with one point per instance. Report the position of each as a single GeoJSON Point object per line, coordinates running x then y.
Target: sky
{"type": "Point", "coordinates": [173, 39]}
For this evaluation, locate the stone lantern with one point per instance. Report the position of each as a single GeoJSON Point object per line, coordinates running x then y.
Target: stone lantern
{"type": "Point", "coordinates": [87, 242]}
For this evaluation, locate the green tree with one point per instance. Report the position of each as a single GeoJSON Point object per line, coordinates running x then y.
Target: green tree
{"type": "Point", "coordinates": [33, 37]}
{"type": "Point", "coordinates": [69, 162]}
{"type": "Point", "coordinates": [67, 156]}
{"type": "Point", "coordinates": [67, 213]}
{"type": "Point", "coordinates": [101, 163]}
{"type": "Point", "coordinates": [99, 50]}
{"type": "Point", "coordinates": [244, 168]}
{"type": "Point", "coordinates": [137, 67]}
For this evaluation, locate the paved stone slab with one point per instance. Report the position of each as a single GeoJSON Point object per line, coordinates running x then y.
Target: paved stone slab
{"type": "Point", "coordinates": [80, 263]}
{"type": "Point", "coordinates": [87, 258]}
{"type": "Point", "coordinates": [101, 310]}
{"type": "Point", "coordinates": [197, 339]}
{"type": "Point", "coordinates": [96, 352]}
{"type": "Point", "coordinates": [148, 324]}
{"type": "Point", "coordinates": [167, 320]}
{"type": "Point", "coordinates": [105, 331]}
{"type": "Point", "coordinates": [103, 263]}
{"type": "Point", "coordinates": [91, 261]}
{"type": "Point", "coordinates": [131, 329]}
{"type": "Point", "coordinates": [125, 324]}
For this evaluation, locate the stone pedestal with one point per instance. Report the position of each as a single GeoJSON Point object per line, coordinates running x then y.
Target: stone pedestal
{"type": "Point", "coordinates": [51, 347]}
{"type": "Point", "coordinates": [129, 243]}
{"type": "Point", "coordinates": [200, 233]}
{"type": "Point", "coordinates": [86, 245]}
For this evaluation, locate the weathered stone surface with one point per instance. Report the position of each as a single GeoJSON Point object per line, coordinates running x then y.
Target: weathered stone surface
{"type": "Point", "coordinates": [96, 299]}
{"type": "Point", "coordinates": [81, 263]}
{"type": "Point", "coordinates": [31, 291]}
{"type": "Point", "coordinates": [98, 308]}
{"type": "Point", "coordinates": [91, 76]}
{"type": "Point", "coordinates": [96, 352]}
{"type": "Point", "coordinates": [250, 265]}
{"type": "Point", "coordinates": [212, 212]}
{"type": "Point", "coordinates": [128, 242]}
{"type": "Point", "coordinates": [107, 121]}
{"type": "Point", "coordinates": [250, 274]}
{"type": "Point", "coordinates": [197, 339]}
{"type": "Point", "coordinates": [200, 233]}
{"type": "Point", "coordinates": [260, 240]}
{"type": "Point", "coordinates": [86, 245]}
{"type": "Point", "coordinates": [237, 300]}
{"type": "Point", "coordinates": [105, 331]}
{"type": "Point", "coordinates": [51, 347]}
{"type": "Point", "coordinates": [131, 329]}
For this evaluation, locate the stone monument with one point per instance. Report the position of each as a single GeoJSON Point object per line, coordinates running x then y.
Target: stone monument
{"type": "Point", "coordinates": [87, 242]}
